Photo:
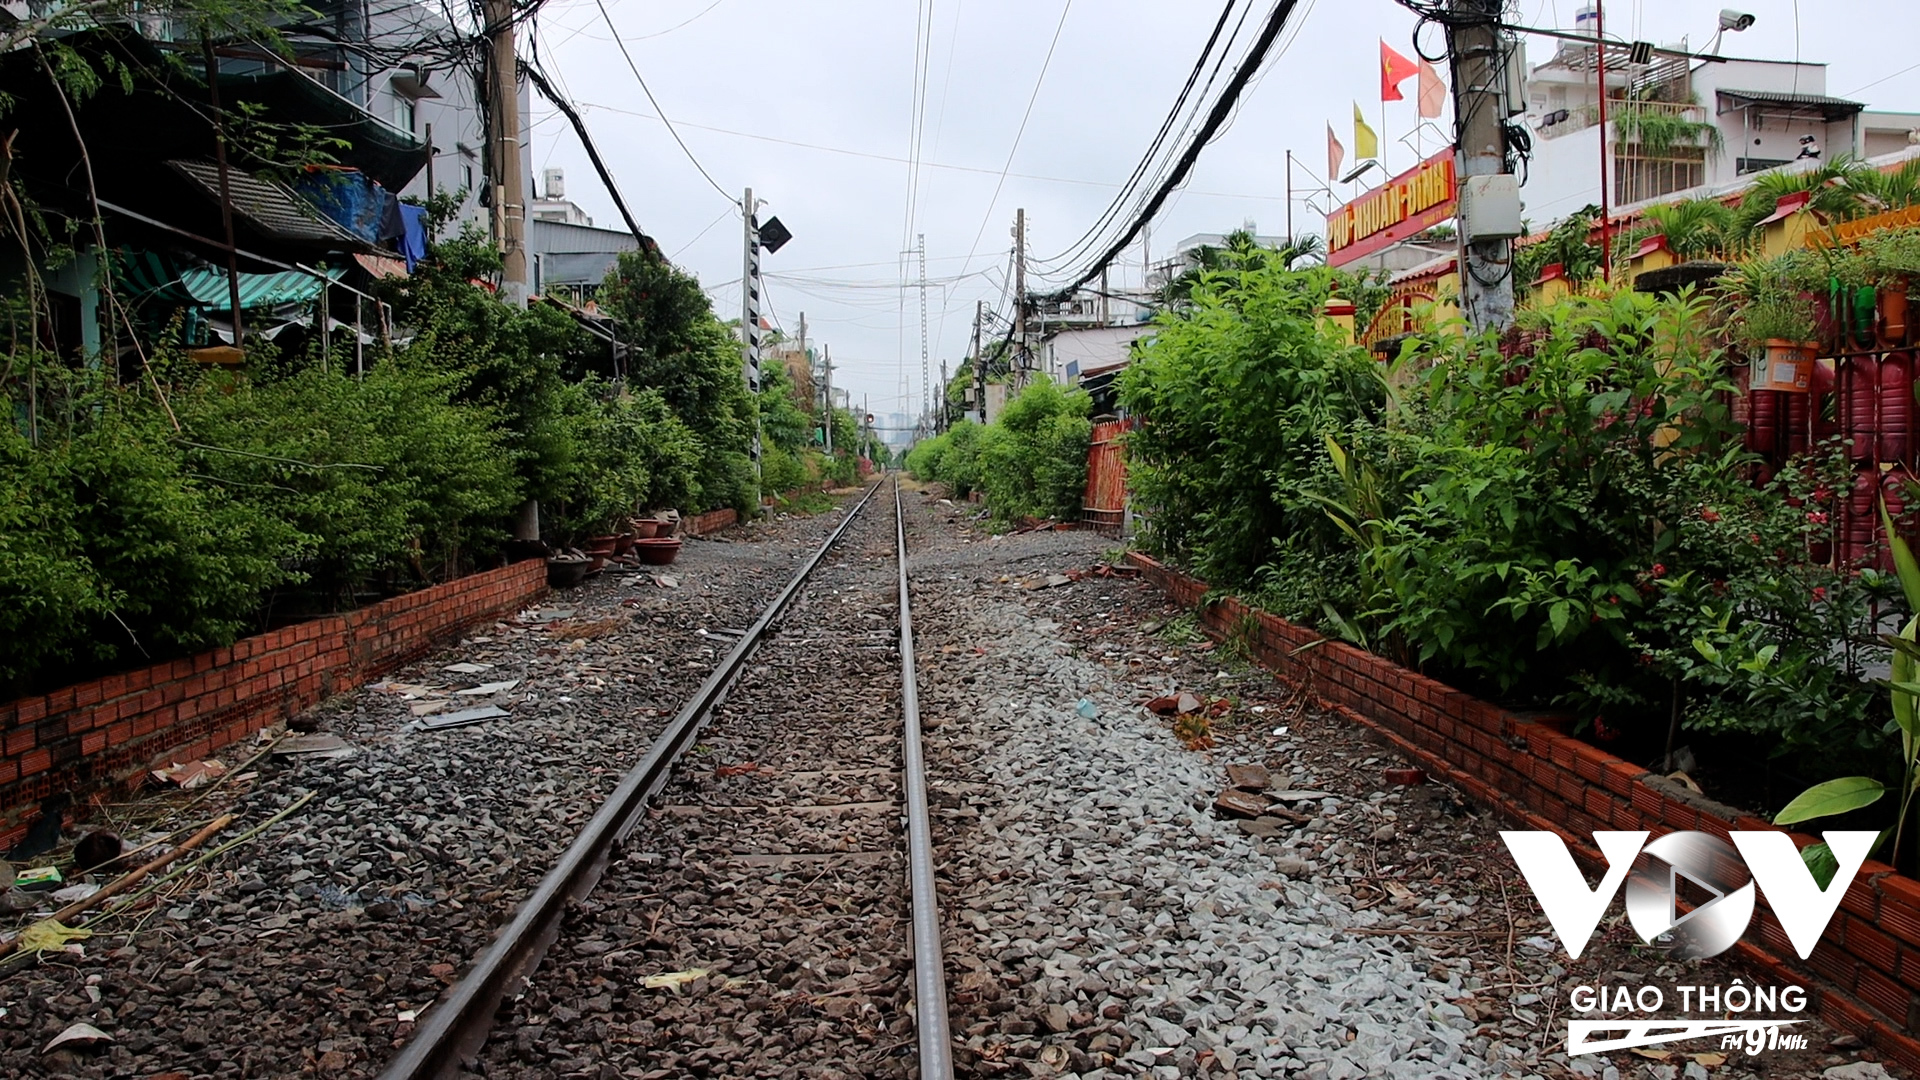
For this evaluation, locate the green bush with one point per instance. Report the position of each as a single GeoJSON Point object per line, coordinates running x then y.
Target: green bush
{"type": "Point", "coordinates": [113, 548]}
{"type": "Point", "coordinates": [1574, 528]}
{"type": "Point", "coordinates": [1032, 460]}
{"type": "Point", "coordinates": [1238, 390]}
{"type": "Point", "coordinates": [383, 476]}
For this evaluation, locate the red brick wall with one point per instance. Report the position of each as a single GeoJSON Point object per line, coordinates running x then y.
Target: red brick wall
{"type": "Point", "coordinates": [1865, 974]}
{"type": "Point", "coordinates": [100, 736]}
{"type": "Point", "coordinates": [710, 522]}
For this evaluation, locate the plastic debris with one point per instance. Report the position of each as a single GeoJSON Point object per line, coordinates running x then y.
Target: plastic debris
{"type": "Point", "coordinates": [674, 980]}
{"type": "Point", "coordinates": [84, 1034]}
{"type": "Point", "coordinates": [193, 774]}
{"type": "Point", "coordinates": [75, 892]}
{"type": "Point", "coordinates": [488, 689]}
{"type": "Point", "coordinates": [50, 934]}
{"type": "Point", "coordinates": [1087, 709]}
{"type": "Point", "coordinates": [37, 879]}
{"type": "Point", "coordinates": [468, 668]}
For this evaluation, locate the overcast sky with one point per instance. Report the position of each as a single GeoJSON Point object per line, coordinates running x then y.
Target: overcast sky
{"type": "Point", "coordinates": [809, 102]}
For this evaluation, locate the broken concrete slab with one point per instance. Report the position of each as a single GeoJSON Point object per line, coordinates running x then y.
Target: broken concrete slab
{"type": "Point", "coordinates": [1239, 803]}
{"type": "Point", "coordinates": [489, 689]}
{"type": "Point", "coordinates": [1249, 777]}
{"type": "Point", "coordinates": [462, 718]}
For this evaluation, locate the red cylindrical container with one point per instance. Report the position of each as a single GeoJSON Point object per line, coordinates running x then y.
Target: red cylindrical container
{"type": "Point", "coordinates": [1893, 491]}
{"type": "Point", "coordinates": [1896, 408]}
{"type": "Point", "coordinates": [1763, 428]}
{"type": "Point", "coordinates": [1857, 531]}
{"type": "Point", "coordinates": [1796, 422]}
{"type": "Point", "coordinates": [1859, 380]}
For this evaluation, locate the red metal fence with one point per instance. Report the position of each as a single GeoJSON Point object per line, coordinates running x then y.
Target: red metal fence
{"type": "Point", "coordinates": [1105, 502]}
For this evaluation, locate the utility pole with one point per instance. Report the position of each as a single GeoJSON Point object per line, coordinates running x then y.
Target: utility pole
{"type": "Point", "coordinates": [1289, 198]}
{"type": "Point", "coordinates": [1019, 377]}
{"type": "Point", "coordinates": [866, 428]}
{"type": "Point", "coordinates": [979, 362]}
{"type": "Point", "coordinates": [826, 369]}
{"type": "Point", "coordinates": [750, 324]}
{"type": "Point", "coordinates": [941, 423]}
{"type": "Point", "coordinates": [1600, 70]}
{"type": "Point", "coordinates": [503, 114]}
{"type": "Point", "coordinates": [1105, 312]}
{"type": "Point", "coordinates": [1480, 150]}
{"type": "Point", "coordinates": [226, 196]}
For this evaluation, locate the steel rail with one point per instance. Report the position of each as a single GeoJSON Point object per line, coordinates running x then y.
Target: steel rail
{"type": "Point", "coordinates": [929, 971]}
{"type": "Point", "coordinates": [457, 1025]}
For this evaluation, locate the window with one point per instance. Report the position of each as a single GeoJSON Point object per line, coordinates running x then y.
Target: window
{"type": "Point", "coordinates": [403, 110]}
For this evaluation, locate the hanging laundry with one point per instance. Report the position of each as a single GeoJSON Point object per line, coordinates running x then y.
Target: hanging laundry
{"type": "Point", "coordinates": [413, 243]}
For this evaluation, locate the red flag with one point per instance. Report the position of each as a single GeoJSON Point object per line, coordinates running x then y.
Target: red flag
{"type": "Point", "coordinates": [1394, 70]}
{"type": "Point", "coordinates": [1335, 155]}
{"type": "Point", "coordinates": [1433, 91]}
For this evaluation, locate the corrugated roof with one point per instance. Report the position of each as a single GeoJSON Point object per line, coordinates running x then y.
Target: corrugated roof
{"type": "Point", "coordinates": [270, 207]}
{"type": "Point", "coordinates": [1830, 105]}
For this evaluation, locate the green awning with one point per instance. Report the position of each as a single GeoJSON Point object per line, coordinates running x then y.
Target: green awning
{"type": "Point", "coordinates": [152, 275]}
{"type": "Point", "coordinates": [209, 288]}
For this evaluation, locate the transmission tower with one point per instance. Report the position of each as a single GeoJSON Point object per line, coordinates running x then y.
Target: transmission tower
{"type": "Point", "coordinates": [926, 380]}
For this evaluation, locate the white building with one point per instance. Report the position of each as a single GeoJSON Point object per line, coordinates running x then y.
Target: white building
{"type": "Point", "coordinates": [1067, 355]}
{"type": "Point", "coordinates": [552, 203]}
{"type": "Point", "coordinates": [1747, 116]}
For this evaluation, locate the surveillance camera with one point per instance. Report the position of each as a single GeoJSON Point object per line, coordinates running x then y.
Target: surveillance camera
{"type": "Point", "coordinates": [1734, 20]}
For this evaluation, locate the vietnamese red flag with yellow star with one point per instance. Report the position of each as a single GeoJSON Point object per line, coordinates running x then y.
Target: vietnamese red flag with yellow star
{"type": "Point", "coordinates": [1394, 70]}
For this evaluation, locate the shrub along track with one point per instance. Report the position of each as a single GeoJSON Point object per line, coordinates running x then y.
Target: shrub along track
{"type": "Point", "coordinates": [756, 924]}
{"type": "Point", "coordinates": [306, 950]}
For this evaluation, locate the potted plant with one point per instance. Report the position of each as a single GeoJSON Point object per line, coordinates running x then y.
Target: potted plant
{"type": "Point", "coordinates": [1893, 262]}
{"type": "Point", "coordinates": [1776, 332]}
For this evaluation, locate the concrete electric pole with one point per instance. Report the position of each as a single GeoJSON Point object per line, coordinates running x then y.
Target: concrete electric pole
{"type": "Point", "coordinates": [979, 363]}
{"type": "Point", "coordinates": [1019, 376]}
{"type": "Point", "coordinates": [509, 187]}
{"type": "Point", "coordinates": [826, 372]}
{"type": "Point", "coordinates": [1489, 196]}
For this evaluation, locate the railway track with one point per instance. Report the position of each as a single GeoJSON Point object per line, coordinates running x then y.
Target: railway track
{"type": "Point", "coordinates": [757, 895]}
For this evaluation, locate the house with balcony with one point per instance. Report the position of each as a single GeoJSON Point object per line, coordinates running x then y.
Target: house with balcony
{"type": "Point", "coordinates": [1680, 127]}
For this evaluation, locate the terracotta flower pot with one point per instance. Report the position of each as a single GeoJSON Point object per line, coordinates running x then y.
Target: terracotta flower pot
{"type": "Point", "coordinates": [657, 552]}
{"type": "Point", "coordinates": [1890, 304]}
{"type": "Point", "coordinates": [1787, 366]}
{"type": "Point", "coordinates": [602, 546]}
{"type": "Point", "coordinates": [645, 528]}
{"type": "Point", "coordinates": [622, 544]}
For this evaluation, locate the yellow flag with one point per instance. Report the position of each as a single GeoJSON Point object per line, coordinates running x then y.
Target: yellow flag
{"type": "Point", "coordinates": [1366, 144]}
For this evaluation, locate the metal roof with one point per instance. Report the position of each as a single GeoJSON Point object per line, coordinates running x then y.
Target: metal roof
{"type": "Point", "coordinates": [1832, 107]}
{"type": "Point", "coordinates": [268, 205]}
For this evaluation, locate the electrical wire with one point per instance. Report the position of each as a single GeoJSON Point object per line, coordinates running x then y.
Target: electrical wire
{"type": "Point", "coordinates": [1141, 169]}
{"type": "Point", "coordinates": [635, 68]}
{"type": "Point", "coordinates": [1216, 118]}
{"type": "Point", "coordinates": [724, 214]}
{"type": "Point", "coordinates": [1020, 132]}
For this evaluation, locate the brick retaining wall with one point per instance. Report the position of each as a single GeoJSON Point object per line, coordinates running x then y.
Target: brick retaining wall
{"type": "Point", "coordinates": [710, 522]}
{"type": "Point", "coordinates": [99, 737]}
{"type": "Point", "coordinates": [1864, 977]}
